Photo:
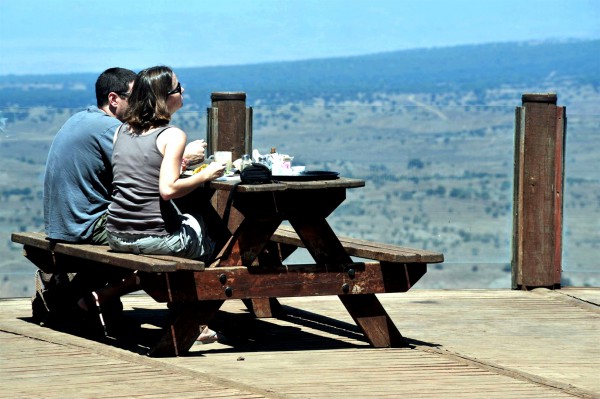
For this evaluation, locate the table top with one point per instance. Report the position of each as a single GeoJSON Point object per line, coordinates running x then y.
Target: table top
{"type": "Point", "coordinates": [342, 182]}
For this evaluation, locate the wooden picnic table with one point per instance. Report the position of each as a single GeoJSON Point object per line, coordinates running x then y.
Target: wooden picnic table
{"type": "Point", "coordinates": [249, 263]}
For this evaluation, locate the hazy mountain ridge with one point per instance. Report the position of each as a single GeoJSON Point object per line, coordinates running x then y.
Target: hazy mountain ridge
{"type": "Point", "coordinates": [460, 69]}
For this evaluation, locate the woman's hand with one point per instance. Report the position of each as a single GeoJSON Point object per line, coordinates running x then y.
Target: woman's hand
{"type": "Point", "coordinates": [213, 171]}
{"type": "Point", "coordinates": [171, 143]}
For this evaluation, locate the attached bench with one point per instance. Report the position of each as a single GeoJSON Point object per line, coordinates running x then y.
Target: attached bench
{"type": "Point", "coordinates": [365, 249]}
{"type": "Point", "coordinates": [199, 291]}
{"type": "Point", "coordinates": [52, 257]}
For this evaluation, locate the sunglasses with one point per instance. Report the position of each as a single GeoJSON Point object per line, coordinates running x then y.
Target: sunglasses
{"type": "Point", "coordinates": [175, 90]}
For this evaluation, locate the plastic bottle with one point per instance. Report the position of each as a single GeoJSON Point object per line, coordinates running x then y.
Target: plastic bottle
{"type": "Point", "coordinates": [245, 161]}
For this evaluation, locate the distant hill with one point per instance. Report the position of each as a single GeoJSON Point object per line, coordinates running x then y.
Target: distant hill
{"type": "Point", "coordinates": [451, 69]}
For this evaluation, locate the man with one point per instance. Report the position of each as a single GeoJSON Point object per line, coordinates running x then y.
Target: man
{"type": "Point", "coordinates": [78, 177]}
{"type": "Point", "coordinates": [77, 191]}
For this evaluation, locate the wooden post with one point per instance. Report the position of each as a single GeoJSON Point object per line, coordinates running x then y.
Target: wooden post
{"type": "Point", "coordinates": [229, 128]}
{"type": "Point", "coordinates": [540, 129]}
{"type": "Point", "coordinates": [229, 124]}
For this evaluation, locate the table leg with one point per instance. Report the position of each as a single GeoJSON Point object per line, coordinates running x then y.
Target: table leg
{"type": "Point", "coordinates": [321, 241]}
{"type": "Point", "coordinates": [184, 327]}
{"type": "Point", "coordinates": [264, 307]}
{"type": "Point", "coordinates": [373, 320]}
{"type": "Point", "coordinates": [272, 255]}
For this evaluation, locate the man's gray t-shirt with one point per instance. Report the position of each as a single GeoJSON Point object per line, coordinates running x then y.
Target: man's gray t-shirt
{"type": "Point", "coordinates": [78, 177]}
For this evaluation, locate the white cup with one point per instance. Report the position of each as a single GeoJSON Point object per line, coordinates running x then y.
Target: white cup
{"type": "Point", "coordinates": [223, 157]}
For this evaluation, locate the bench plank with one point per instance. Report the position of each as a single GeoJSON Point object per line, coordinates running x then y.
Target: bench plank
{"type": "Point", "coordinates": [103, 254]}
{"type": "Point", "coordinates": [366, 249]}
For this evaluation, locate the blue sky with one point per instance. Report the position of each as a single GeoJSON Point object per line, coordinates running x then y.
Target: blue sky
{"type": "Point", "coordinates": [66, 36]}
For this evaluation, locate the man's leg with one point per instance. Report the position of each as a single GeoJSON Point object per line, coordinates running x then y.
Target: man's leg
{"type": "Point", "coordinates": [99, 236]}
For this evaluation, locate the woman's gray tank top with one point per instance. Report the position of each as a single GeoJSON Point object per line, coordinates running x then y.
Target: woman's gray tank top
{"type": "Point", "coordinates": [136, 207]}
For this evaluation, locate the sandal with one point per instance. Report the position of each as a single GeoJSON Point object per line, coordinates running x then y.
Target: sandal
{"type": "Point", "coordinates": [91, 302]}
{"type": "Point", "coordinates": [208, 336]}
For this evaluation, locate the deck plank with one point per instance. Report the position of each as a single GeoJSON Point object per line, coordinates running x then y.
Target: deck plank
{"type": "Point", "coordinates": [467, 344]}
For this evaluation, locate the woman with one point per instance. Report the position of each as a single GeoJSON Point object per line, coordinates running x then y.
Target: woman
{"type": "Point", "coordinates": [147, 160]}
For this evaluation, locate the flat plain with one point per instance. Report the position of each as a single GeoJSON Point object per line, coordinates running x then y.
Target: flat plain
{"type": "Point", "coordinates": [438, 171]}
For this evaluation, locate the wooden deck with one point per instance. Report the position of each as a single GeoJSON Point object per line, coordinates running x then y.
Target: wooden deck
{"type": "Point", "coordinates": [465, 344]}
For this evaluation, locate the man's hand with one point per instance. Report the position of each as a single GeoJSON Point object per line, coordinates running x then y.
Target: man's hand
{"type": "Point", "coordinates": [194, 152]}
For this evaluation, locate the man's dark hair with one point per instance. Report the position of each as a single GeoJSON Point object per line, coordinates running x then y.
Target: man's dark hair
{"type": "Point", "coordinates": [113, 80]}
